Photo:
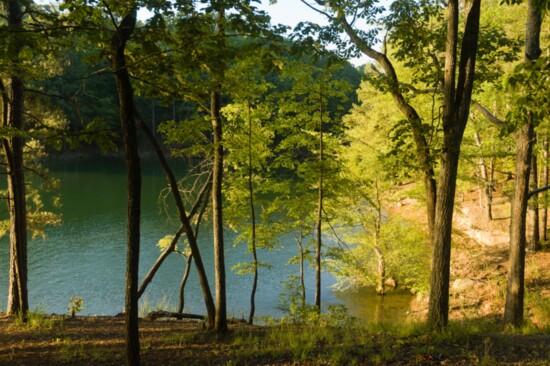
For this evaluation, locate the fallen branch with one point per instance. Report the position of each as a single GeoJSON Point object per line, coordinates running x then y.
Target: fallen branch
{"type": "Point", "coordinates": [153, 315]}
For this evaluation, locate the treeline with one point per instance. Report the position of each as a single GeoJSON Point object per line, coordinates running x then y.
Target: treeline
{"type": "Point", "coordinates": [280, 143]}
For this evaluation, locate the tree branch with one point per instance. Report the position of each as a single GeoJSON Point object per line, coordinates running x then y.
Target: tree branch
{"type": "Point", "coordinates": [488, 115]}
{"type": "Point", "coordinates": [537, 191]}
{"type": "Point", "coordinates": [330, 17]}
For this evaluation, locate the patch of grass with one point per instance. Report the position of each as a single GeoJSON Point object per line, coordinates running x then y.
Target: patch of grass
{"type": "Point", "coordinates": [539, 310]}
{"type": "Point", "coordinates": [486, 359]}
{"type": "Point", "coordinates": [146, 307]}
{"type": "Point", "coordinates": [70, 351]}
{"type": "Point", "coordinates": [37, 321]}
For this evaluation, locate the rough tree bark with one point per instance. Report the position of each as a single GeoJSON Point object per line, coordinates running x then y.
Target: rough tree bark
{"type": "Point", "coordinates": [12, 102]}
{"type": "Point", "coordinates": [129, 135]}
{"type": "Point", "coordinates": [515, 289]}
{"type": "Point", "coordinates": [513, 313]}
{"type": "Point", "coordinates": [457, 99]}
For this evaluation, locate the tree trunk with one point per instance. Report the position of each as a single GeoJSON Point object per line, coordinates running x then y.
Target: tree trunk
{"type": "Point", "coordinates": [13, 149]}
{"type": "Point", "coordinates": [302, 272]}
{"type": "Point", "coordinates": [380, 286]}
{"type": "Point", "coordinates": [457, 100]}
{"type": "Point", "coordinates": [544, 217]}
{"type": "Point", "coordinates": [533, 242]}
{"type": "Point", "coordinates": [165, 253]}
{"type": "Point", "coordinates": [319, 223]}
{"type": "Point", "coordinates": [513, 310]}
{"type": "Point", "coordinates": [185, 221]}
{"type": "Point", "coordinates": [253, 219]}
{"type": "Point", "coordinates": [220, 323]}
{"type": "Point", "coordinates": [486, 180]}
{"type": "Point", "coordinates": [201, 198]}
{"type": "Point", "coordinates": [184, 278]}
{"type": "Point", "coordinates": [129, 135]}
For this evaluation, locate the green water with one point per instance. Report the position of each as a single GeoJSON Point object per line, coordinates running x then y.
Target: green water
{"type": "Point", "coordinates": [86, 256]}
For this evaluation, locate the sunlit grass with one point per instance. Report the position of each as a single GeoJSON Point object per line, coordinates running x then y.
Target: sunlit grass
{"type": "Point", "coordinates": [37, 320]}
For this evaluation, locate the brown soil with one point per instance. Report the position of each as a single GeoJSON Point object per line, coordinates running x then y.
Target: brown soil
{"type": "Point", "coordinates": [479, 262]}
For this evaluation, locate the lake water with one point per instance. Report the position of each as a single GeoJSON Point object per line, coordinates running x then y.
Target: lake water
{"type": "Point", "coordinates": [86, 256]}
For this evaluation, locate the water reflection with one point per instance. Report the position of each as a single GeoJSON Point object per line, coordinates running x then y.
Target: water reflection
{"type": "Point", "coordinates": [365, 304]}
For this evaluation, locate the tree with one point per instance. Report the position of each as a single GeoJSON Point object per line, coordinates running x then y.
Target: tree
{"type": "Point", "coordinates": [12, 119]}
{"type": "Point", "coordinates": [201, 79]}
{"type": "Point", "coordinates": [457, 90]}
{"type": "Point", "coordinates": [363, 41]}
{"type": "Point", "coordinates": [248, 138]}
{"type": "Point", "coordinates": [457, 99]}
{"type": "Point", "coordinates": [527, 111]}
{"type": "Point", "coordinates": [375, 245]}
{"type": "Point", "coordinates": [306, 152]}
{"type": "Point", "coordinates": [120, 37]}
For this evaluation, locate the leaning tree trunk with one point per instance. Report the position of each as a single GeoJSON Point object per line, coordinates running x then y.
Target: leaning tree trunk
{"type": "Point", "coordinates": [13, 149]}
{"type": "Point", "coordinates": [186, 224]}
{"type": "Point", "coordinates": [457, 100]}
{"type": "Point", "coordinates": [418, 129]}
{"type": "Point", "coordinates": [513, 310]}
{"type": "Point", "coordinates": [129, 135]}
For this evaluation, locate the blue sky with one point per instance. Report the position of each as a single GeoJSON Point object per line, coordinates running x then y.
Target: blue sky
{"type": "Point", "coordinates": [291, 12]}
{"type": "Point", "coordinates": [288, 12]}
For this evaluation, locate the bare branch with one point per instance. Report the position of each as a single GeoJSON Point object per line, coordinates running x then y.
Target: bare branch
{"type": "Point", "coordinates": [317, 10]}
{"type": "Point", "coordinates": [488, 115]}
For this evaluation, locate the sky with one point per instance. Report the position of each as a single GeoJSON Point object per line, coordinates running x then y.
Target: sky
{"type": "Point", "coordinates": [291, 12]}
{"type": "Point", "coordinates": [287, 12]}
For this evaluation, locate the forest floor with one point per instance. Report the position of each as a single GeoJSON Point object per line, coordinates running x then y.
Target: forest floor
{"type": "Point", "coordinates": [100, 341]}
{"type": "Point", "coordinates": [474, 336]}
